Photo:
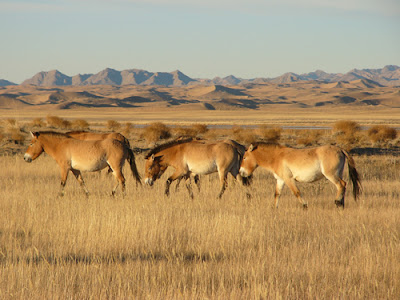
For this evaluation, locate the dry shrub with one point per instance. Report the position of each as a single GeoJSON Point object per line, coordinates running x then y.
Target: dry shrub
{"type": "Point", "coordinates": [17, 136]}
{"type": "Point", "coordinates": [381, 133]}
{"type": "Point", "coordinates": [80, 124]}
{"type": "Point", "coordinates": [211, 134]}
{"type": "Point", "coordinates": [184, 132]}
{"type": "Point", "coordinates": [309, 137]}
{"type": "Point", "coordinates": [156, 131]}
{"type": "Point", "coordinates": [11, 122]}
{"type": "Point", "coordinates": [126, 131]}
{"type": "Point", "coordinates": [38, 122]}
{"type": "Point", "coordinates": [346, 133]}
{"type": "Point", "coordinates": [242, 135]}
{"type": "Point", "coordinates": [113, 125]}
{"type": "Point", "coordinates": [200, 128]}
{"type": "Point", "coordinates": [346, 127]}
{"type": "Point", "coordinates": [270, 134]}
{"type": "Point", "coordinates": [57, 122]}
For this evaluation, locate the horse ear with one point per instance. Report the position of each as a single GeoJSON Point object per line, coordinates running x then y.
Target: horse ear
{"type": "Point", "coordinates": [34, 134]}
{"type": "Point", "coordinates": [251, 148]}
{"type": "Point", "coordinates": [152, 157]}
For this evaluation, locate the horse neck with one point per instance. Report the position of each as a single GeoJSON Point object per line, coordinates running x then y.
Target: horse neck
{"type": "Point", "coordinates": [49, 144]}
{"type": "Point", "coordinates": [265, 157]}
{"type": "Point", "coordinates": [168, 156]}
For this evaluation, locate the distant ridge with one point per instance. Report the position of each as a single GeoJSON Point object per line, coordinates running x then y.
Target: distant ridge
{"type": "Point", "coordinates": [4, 82]}
{"type": "Point", "coordinates": [386, 76]}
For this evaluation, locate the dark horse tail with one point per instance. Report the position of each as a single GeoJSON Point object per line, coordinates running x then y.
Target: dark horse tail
{"type": "Point", "coordinates": [354, 176]}
{"type": "Point", "coordinates": [132, 163]}
{"type": "Point", "coordinates": [240, 149]}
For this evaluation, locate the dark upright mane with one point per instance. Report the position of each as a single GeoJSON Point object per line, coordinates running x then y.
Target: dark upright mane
{"type": "Point", "coordinates": [167, 145]}
{"type": "Point", "coordinates": [53, 134]}
{"type": "Point", "coordinates": [76, 132]}
{"type": "Point", "coordinates": [256, 144]}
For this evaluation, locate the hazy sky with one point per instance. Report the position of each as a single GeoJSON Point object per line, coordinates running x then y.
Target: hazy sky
{"type": "Point", "coordinates": [202, 38]}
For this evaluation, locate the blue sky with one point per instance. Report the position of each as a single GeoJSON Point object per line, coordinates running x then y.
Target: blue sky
{"type": "Point", "coordinates": [202, 38]}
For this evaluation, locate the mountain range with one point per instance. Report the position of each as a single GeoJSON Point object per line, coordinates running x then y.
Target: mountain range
{"type": "Point", "coordinates": [386, 76]}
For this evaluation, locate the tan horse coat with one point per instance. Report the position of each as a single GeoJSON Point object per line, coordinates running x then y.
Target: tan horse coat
{"type": "Point", "coordinates": [98, 136]}
{"type": "Point", "coordinates": [76, 156]}
{"type": "Point", "coordinates": [192, 157]}
{"type": "Point", "coordinates": [289, 165]}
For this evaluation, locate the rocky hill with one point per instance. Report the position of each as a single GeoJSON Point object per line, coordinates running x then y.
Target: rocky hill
{"type": "Point", "coordinates": [386, 76]}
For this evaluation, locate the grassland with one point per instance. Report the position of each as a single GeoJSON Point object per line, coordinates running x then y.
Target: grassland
{"type": "Point", "coordinates": [147, 246]}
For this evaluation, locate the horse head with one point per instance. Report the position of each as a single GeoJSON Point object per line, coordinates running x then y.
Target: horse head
{"type": "Point", "coordinates": [35, 148]}
{"type": "Point", "coordinates": [249, 162]}
{"type": "Point", "coordinates": [154, 168]}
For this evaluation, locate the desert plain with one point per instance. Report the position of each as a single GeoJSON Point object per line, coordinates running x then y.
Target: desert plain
{"type": "Point", "coordinates": [149, 246]}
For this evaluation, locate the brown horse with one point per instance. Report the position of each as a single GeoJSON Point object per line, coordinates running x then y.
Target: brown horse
{"type": "Point", "coordinates": [193, 157]}
{"type": "Point", "coordinates": [303, 165]}
{"type": "Point", "coordinates": [98, 136]}
{"type": "Point", "coordinates": [76, 156]}
{"type": "Point", "coordinates": [239, 148]}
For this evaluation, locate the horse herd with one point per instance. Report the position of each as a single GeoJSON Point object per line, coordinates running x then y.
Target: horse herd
{"type": "Point", "coordinates": [78, 151]}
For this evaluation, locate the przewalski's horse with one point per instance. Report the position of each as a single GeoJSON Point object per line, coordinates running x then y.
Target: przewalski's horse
{"type": "Point", "coordinates": [76, 156]}
{"type": "Point", "coordinates": [289, 165]}
{"type": "Point", "coordinates": [98, 136]}
{"type": "Point", "coordinates": [193, 157]}
{"type": "Point", "coordinates": [239, 148]}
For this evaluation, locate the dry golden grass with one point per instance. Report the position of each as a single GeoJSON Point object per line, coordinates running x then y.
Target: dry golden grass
{"type": "Point", "coordinates": [146, 246]}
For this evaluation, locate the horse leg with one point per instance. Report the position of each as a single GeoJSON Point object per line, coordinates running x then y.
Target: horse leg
{"type": "Point", "coordinates": [292, 185]}
{"type": "Point", "coordinates": [278, 190]}
{"type": "Point", "coordinates": [64, 176]}
{"type": "Point", "coordinates": [341, 189]}
{"type": "Point", "coordinates": [223, 179]}
{"type": "Point", "coordinates": [189, 186]}
{"type": "Point", "coordinates": [242, 183]}
{"type": "Point", "coordinates": [120, 180]}
{"type": "Point", "coordinates": [197, 181]}
{"type": "Point", "coordinates": [177, 185]}
{"type": "Point", "coordinates": [177, 174]}
{"type": "Point", "coordinates": [78, 177]}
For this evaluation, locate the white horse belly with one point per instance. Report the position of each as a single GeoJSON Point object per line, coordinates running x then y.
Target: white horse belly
{"type": "Point", "coordinates": [307, 174]}
{"type": "Point", "coordinates": [88, 165]}
{"type": "Point", "coordinates": [202, 168]}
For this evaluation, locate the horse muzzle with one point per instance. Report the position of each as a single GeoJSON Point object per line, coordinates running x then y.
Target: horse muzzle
{"type": "Point", "coordinates": [243, 172]}
{"type": "Point", "coordinates": [149, 181]}
{"type": "Point", "coordinates": [27, 158]}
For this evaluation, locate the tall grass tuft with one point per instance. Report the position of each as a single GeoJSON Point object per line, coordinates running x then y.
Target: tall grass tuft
{"type": "Point", "coordinates": [381, 133]}
{"type": "Point", "coordinates": [113, 125]}
{"type": "Point", "coordinates": [80, 124]}
{"type": "Point", "coordinates": [346, 133]}
{"type": "Point", "coordinates": [37, 122]}
{"type": "Point", "coordinates": [156, 131]}
{"type": "Point", "coordinates": [57, 122]}
{"type": "Point", "coordinates": [269, 134]}
{"type": "Point", "coordinates": [243, 135]}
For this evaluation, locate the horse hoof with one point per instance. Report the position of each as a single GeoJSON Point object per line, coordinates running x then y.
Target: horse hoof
{"type": "Point", "coordinates": [339, 203]}
{"type": "Point", "coordinates": [305, 206]}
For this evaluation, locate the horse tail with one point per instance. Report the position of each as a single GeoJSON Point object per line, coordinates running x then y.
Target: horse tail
{"type": "Point", "coordinates": [132, 163]}
{"type": "Point", "coordinates": [125, 141]}
{"type": "Point", "coordinates": [354, 176]}
{"type": "Point", "coordinates": [240, 150]}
